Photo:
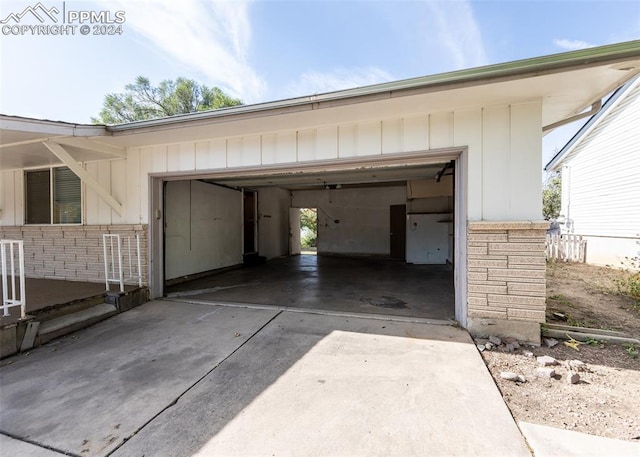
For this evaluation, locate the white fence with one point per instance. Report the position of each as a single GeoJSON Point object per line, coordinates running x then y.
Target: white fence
{"type": "Point", "coordinates": [121, 254]}
{"type": "Point", "coordinates": [566, 248]}
{"type": "Point", "coordinates": [13, 291]}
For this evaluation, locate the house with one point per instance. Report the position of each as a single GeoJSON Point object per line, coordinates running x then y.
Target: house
{"type": "Point", "coordinates": [442, 169]}
{"type": "Point", "coordinates": [600, 170]}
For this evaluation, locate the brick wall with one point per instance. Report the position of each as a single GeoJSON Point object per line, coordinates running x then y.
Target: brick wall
{"type": "Point", "coordinates": [73, 253]}
{"type": "Point", "coordinates": [506, 271]}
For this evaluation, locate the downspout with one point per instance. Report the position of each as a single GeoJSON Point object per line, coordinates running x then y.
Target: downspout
{"type": "Point", "coordinates": [595, 107]}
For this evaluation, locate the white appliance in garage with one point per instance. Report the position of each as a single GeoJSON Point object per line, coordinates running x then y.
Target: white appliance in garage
{"type": "Point", "coordinates": [427, 238]}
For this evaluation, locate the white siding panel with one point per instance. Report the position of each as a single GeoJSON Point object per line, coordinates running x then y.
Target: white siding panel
{"type": "Point", "coordinates": [391, 136]}
{"type": "Point", "coordinates": [496, 163]}
{"type": "Point", "coordinates": [133, 185]}
{"type": "Point", "coordinates": [327, 147]}
{"type": "Point", "coordinates": [7, 198]}
{"type": "Point", "coordinates": [348, 140]}
{"type": "Point", "coordinates": [287, 147]}
{"type": "Point", "coordinates": [119, 189]}
{"type": "Point", "coordinates": [307, 142]}
{"type": "Point", "coordinates": [269, 149]}
{"type": "Point", "coordinates": [440, 130]}
{"type": "Point", "coordinates": [104, 179]}
{"type": "Point", "coordinates": [217, 153]}
{"type": "Point", "coordinates": [173, 157]}
{"type": "Point", "coordinates": [468, 132]}
{"type": "Point", "coordinates": [525, 173]}
{"type": "Point", "coordinates": [158, 159]}
{"type": "Point", "coordinates": [234, 152]}
{"type": "Point", "coordinates": [369, 139]}
{"type": "Point", "coordinates": [145, 169]}
{"type": "Point", "coordinates": [187, 159]}
{"type": "Point", "coordinates": [91, 203]}
{"type": "Point", "coordinates": [251, 150]}
{"type": "Point", "coordinates": [416, 133]}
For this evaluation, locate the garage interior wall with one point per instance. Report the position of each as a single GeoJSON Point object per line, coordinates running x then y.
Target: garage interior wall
{"type": "Point", "coordinates": [352, 221]}
{"type": "Point", "coordinates": [273, 222]}
{"type": "Point", "coordinates": [203, 228]}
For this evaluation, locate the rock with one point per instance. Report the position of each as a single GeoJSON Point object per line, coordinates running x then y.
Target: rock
{"type": "Point", "coordinates": [550, 342]}
{"type": "Point", "coordinates": [480, 347]}
{"type": "Point", "coordinates": [545, 372]}
{"type": "Point", "coordinates": [488, 346]}
{"type": "Point", "coordinates": [521, 378]}
{"type": "Point", "coordinates": [509, 376]}
{"type": "Point", "coordinates": [527, 354]}
{"type": "Point", "coordinates": [546, 361]}
{"type": "Point", "coordinates": [515, 344]}
{"type": "Point", "coordinates": [573, 378]}
{"type": "Point", "coordinates": [495, 340]}
{"type": "Point", "coordinates": [576, 365]}
{"type": "Point", "coordinates": [509, 347]}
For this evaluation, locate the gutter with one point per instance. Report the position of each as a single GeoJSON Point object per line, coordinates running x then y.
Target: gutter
{"type": "Point", "coordinates": [520, 69]}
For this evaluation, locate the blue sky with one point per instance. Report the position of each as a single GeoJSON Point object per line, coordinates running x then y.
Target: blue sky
{"type": "Point", "coordinates": [269, 50]}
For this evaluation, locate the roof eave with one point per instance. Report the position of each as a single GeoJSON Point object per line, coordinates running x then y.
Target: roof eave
{"type": "Point", "coordinates": [462, 78]}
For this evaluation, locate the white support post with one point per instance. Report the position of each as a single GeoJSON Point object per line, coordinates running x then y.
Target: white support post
{"type": "Point", "coordinates": [18, 294]}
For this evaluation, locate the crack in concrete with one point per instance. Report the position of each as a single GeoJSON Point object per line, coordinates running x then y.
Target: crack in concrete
{"type": "Point", "coordinates": [35, 443]}
{"type": "Point", "coordinates": [175, 401]}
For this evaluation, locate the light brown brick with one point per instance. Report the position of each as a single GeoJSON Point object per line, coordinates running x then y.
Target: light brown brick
{"type": "Point", "coordinates": [522, 314]}
{"type": "Point", "coordinates": [487, 263]}
{"type": "Point", "coordinates": [516, 300]}
{"type": "Point", "coordinates": [496, 273]}
{"type": "Point", "coordinates": [488, 289]}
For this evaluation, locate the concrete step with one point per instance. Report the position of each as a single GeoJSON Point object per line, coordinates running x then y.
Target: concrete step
{"type": "Point", "coordinates": [71, 322]}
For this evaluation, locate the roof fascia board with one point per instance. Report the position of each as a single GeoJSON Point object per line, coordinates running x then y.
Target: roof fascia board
{"type": "Point", "coordinates": [617, 98]}
{"type": "Point", "coordinates": [51, 128]}
{"type": "Point", "coordinates": [520, 69]}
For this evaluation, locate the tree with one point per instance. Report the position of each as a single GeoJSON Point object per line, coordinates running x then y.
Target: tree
{"type": "Point", "coordinates": [309, 227]}
{"type": "Point", "coordinates": [551, 193]}
{"type": "Point", "coordinates": [142, 101]}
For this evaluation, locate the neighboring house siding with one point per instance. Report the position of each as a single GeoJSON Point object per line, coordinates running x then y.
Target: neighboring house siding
{"type": "Point", "coordinates": [601, 181]}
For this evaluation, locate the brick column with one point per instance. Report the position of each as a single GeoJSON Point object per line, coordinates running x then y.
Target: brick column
{"type": "Point", "coordinates": [506, 278]}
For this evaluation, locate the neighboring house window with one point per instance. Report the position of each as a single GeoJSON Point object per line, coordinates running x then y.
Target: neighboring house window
{"type": "Point", "coordinates": [53, 196]}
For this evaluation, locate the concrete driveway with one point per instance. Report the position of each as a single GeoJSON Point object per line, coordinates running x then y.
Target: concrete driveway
{"type": "Point", "coordinates": [181, 379]}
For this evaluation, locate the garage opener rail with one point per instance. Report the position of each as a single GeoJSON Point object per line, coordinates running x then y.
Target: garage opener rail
{"type": "Point", "coordinates": [113, 247]}
{"type": "Point", "coordinates": [12, 255]}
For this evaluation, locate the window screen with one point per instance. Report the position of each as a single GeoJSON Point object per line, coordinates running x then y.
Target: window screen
{"type": "Point", "coordinates": [66, 196]}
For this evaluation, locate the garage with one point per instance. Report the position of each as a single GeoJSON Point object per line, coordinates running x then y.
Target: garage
{"type": "Point", "coordinates": [384, 241]}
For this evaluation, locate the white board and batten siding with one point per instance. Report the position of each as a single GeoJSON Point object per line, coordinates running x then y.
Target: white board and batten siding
{"type": "Point", "coordinates": [503, 161]}
{"type": "Point", "coordinates": [601, 183]}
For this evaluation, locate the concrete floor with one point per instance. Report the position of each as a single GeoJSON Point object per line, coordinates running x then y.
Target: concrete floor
{"type": "Point", "coordinates": [198, 379]}
{"type": "Point", "coordinates": [342, 284]}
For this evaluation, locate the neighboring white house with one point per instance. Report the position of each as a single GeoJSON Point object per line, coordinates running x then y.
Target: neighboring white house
{"type": "Point", "coordinates": [600, 169]}
{"type": "Point", "coordinates": [183, 183]}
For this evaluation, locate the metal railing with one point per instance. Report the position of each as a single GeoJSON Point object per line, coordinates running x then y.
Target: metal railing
{"type": "Point", "coordinates": [566, 248]}
{"type": "Point", "coordinates": [13, 292]}
{"type": "Point", "coordinates": [114, 273]}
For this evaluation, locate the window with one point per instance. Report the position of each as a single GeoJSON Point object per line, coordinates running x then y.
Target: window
{"type": "Point", "coordinates": [52, 197]}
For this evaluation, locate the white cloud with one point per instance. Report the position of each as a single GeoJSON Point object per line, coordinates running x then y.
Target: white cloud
{"type": "Point", "coordinates": [212, 37]}
{"type": "Point", "coordinates": [572, 45]}
{"type": "Point", "coordinates": [459, 32]}
{"type": "Point", "coordinates": [316, 82]}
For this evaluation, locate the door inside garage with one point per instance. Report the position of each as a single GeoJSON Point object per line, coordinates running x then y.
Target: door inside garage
{"type": "Point", "coordinates": [385, 240]}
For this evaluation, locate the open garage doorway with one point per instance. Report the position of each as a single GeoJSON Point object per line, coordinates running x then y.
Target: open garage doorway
{"type": "Point", "coordinates": [385, 240]}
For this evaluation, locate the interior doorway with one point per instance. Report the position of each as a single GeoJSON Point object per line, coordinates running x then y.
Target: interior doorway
{"type": "Point", "coordinates": [309, 231]}
{"type": "Point", "coordinates": [250, 227]}
{"type": "Point", "coordinates": [398, 231]}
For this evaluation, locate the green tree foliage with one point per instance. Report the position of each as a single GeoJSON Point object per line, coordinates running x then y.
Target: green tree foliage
{"type": "Point", "coordinates": [141, 100]}
{"type": "Point", "coordinates": [551, 197]}
{"type": "Point", "coordinates": [309, 227]}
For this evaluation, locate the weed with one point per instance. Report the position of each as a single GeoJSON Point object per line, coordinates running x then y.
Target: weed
{"type": "Point", "coordinates": [631, 349]}
{"type": "Point", "coordinates": [592, 341]}
{"type": "Point", "coordinates": [629, 284]}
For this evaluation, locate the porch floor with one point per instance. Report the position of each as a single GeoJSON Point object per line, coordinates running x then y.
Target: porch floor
{"type": "Point", "coordinates": [46, 293]}
{"type": "Point", "coordinates": [332, 283]}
